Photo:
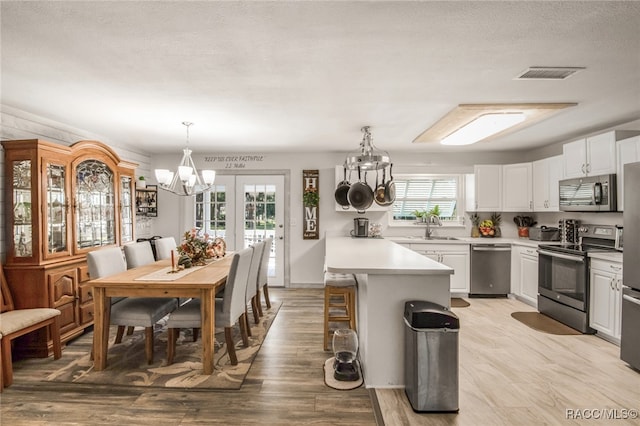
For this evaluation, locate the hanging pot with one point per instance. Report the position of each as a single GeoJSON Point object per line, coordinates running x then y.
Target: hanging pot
{"type": "Point", "coordinates": [360, 194]}
{"type": "Point", "coordinates": [390, 188]}
{"type": "Point", "coordinates": [380, 189]}
{"type": "Point", "coordinates": [342, 190]}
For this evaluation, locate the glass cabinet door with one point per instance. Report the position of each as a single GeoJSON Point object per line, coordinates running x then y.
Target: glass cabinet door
{"type": "Point", "coordinates": [94, 205]}
{"type": "Point", "coordinates": [22, 213]}
{"type": "Point", "coordinates": [126, 209]}
{"type": "Point", "coordinates": [56, 220]}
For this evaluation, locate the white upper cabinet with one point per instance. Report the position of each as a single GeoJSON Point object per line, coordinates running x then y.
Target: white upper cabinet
{"type": "Point", "coordinates": [546, 175]}
{"type": "Point", "coordinates": [484, 188]}
{"type": "Point", "coordinates": [595, 155]}
{"type": "Point", "coordinates": [627, 151]}
{"type": "Point", "coordinates": [517, 189]}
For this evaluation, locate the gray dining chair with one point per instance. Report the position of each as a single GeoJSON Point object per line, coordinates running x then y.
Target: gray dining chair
{"type": "Point", "coordinates": [138, 254]}
{"type": "Point", "coordinates": [130, 311]}
{"type": "Point", "coordinates": [164, 246]}
{"type": "Point", "coordinates": [263, 275]}
{"type": "Point", "coordinates": [252, 284]}
{"type": "Point", "coordinates": [230, 309]}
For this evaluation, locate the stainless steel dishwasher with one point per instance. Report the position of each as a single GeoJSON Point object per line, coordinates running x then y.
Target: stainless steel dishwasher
{"type": "Point", "coordinates": [490, 270]}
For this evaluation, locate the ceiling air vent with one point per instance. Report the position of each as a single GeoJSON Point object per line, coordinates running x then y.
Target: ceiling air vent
{"type": "Point", "coordinates": [548, 73]}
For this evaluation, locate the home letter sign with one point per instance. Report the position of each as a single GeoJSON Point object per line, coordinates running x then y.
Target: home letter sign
{"type": "Point", "coordinates": [310, 203]}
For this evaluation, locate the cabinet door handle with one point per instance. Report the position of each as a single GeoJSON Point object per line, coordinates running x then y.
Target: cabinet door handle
{"type": "Point", "coordinates": [611, 284]}
{"type": "Point", "coordinates": [583, 169]}
{"type": "Point", "coordinates": [588, 167]}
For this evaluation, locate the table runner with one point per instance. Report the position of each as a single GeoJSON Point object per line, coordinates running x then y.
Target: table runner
{"type": "Point", "coordinates": [165, 275]}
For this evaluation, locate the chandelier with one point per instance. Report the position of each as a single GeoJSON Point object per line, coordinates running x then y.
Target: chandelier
{"type": "Point", "coordinates": [186, 180]}
{"type": "Point", "coordinates": [368, 157]}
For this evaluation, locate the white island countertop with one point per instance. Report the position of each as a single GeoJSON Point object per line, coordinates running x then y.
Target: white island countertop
{"type": "Point", "coordinates": [377, 256]}
{"type": "Point", "coordinates": [388, 276]}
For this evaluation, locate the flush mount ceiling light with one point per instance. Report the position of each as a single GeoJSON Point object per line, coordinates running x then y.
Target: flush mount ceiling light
{"type": "Point", "coordinates": [483, 122]}
{"type": "Point", "coordinates": [368, 157]}
{"type": "Point", "coordinates": [482, 127]}
{"type": "Point", "coordinates": [186, 180]}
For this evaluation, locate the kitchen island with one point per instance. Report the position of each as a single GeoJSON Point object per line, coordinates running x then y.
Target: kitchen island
{"type": "Point", "coordinates": [388, 276]}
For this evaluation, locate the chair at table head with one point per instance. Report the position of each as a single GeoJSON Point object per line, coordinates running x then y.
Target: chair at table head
{"type": "Point", "coordinates": [18, 322]}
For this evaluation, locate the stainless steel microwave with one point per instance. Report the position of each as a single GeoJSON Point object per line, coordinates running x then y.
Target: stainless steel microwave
{"type": "Point", "coordinates": [589, 194]}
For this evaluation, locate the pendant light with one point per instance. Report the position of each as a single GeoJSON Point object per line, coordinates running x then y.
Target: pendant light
{"type": "Point", "coordinates": [185, 181]}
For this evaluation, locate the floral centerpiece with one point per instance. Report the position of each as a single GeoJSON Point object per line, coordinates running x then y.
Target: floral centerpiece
{"type": "Point", "coordinates": [201, 247]}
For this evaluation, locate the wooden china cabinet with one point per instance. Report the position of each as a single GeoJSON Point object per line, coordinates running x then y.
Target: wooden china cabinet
{"type": "Point", "coordinates": [61, 202]}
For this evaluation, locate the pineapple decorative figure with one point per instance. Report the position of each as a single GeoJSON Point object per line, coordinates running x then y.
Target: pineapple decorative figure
{"type": "Point", "coordinates": [496, 218]}
{"type": "Point", "coordinates": [475, 225]}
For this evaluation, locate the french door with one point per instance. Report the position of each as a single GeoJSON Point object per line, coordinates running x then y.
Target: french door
{"type": "Point", "coordinates": [243, 210]}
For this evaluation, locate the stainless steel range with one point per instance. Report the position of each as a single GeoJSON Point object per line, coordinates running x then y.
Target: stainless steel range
{"type": "Point", "coordinates": [563, 274]}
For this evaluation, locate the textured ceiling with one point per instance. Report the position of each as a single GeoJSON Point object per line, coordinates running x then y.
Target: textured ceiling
{"type": "Point", "coordinates": [292, 76]}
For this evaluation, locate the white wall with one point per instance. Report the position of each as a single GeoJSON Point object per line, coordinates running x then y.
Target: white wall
{"type": "Point", "coordinates": [305, 256]}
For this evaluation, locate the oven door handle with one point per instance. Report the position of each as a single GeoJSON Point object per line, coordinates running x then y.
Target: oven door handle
{"type": "Point", "coordinates": [561, 256]}
{"type": "Point", "coordinates": [631, 299]}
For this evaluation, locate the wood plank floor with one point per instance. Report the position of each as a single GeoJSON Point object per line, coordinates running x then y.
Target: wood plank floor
{"type": "Point", "coordinates": [509, 375]}
{"type": "Point", "coordinates": [285, 385]}
{"type": "Point", "coordinates": [512, 375]}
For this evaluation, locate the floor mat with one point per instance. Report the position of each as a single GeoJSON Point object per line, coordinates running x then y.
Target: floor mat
{"type": "Point", "coordinates": [457, 302]}
{"type": "Point", "coordinates": [543, 323]}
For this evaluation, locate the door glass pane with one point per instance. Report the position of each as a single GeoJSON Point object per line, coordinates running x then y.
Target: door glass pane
{"type": "Point", "coordinates": [259, 213]}
{"type": "Point", "coordinates": [95, 209]}
{"type": "Point", "coordinates": [210, 211]}
{"type": "Point", "coordinates": [56, 208]}
{"type": "Point", "coordinates": [22, 217]}
{"type": "Point", "coordinates": [126, 209]}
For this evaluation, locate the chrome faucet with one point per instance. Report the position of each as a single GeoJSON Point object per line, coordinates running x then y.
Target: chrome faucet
{"type": "Point", "coordinates": [431, 219]}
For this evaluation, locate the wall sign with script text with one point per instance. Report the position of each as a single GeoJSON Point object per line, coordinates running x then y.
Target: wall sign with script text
{"type": "Point", "coordinates": [310, 205]}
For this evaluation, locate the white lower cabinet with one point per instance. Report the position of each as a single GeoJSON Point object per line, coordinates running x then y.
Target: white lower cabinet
{"type": "Point", "coordinates": [455, 256]}
{"type": "Point", "coordinates": [605, 298]}
{"type": "Point", "coordinates": [524, 274]}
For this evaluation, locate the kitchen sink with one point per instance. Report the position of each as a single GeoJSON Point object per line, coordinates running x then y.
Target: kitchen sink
{"type": "Point", "coordinates": [440, 238]}
{"type": "Point", "coordinates": [433, 238]}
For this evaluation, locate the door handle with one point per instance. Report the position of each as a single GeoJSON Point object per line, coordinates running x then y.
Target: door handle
{"type": "Point", "coordinates": [281, 238]}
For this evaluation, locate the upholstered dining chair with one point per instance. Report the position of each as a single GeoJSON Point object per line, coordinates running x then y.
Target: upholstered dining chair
{"type": "Point", "coordinates": [18, 322]}
{"type": "Point", "coordinates": [138, 254]}
{"type": "Point", "coordinates": [252, 285]}
{"type": "Point", "coordinates": [164, 246]}
{"type": "Point", "coordinates": [131, 311]}
{"type": "Point", "coordinates": [230, 309]}
{"type": "Point", "coordinates": [263, 275]}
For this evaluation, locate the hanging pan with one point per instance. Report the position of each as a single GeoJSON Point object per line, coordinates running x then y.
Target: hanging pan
{"type": "Point", "coordinates": [390, 188]}
{"type": "Point", "coordinates": [360, 194]}
{"type": "Point", "coordinates": [342, 190]}
{"type": "Point", "coordinates": [381, 191]}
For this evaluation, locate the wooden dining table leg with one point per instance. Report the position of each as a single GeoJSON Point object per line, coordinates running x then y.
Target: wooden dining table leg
{"type": "Point", "coordinates": [102, 314]}
{"type": "Point", "coordinates": [207, 313]}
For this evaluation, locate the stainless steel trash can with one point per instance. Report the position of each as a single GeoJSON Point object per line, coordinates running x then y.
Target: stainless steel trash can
{"type": "Point", "coordinates": [431, 356]}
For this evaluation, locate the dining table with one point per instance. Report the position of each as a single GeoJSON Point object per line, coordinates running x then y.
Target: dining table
{"type": "Point", "coordinates": [160, 279]}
